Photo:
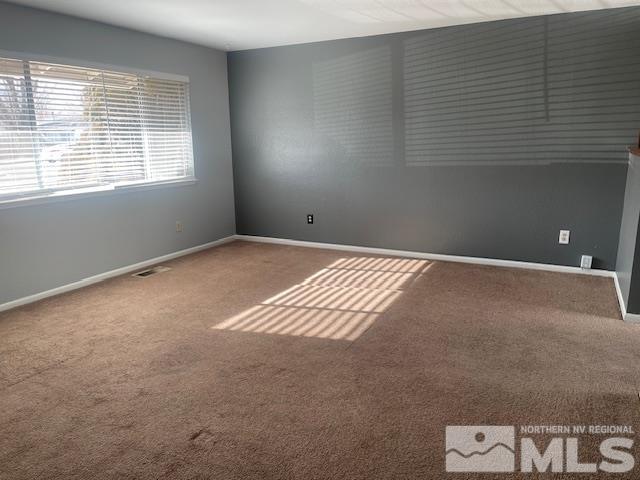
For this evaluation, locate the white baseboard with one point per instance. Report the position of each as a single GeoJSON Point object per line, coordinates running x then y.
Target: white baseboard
{"type": "Point", "coordinates": [632, 317]}
{"type": "Point", "coordinates": [628, 317]}
{"type": "Point", "coordinates": [430, 256]}
{"type": "Point", "coordinates": [113, 273]}
{"type": "Point", "coordinates": [623, 307]}
{"type": "Point", "coordinates": [330, 246]}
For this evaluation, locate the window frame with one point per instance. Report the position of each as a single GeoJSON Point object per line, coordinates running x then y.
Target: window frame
{"type": "Point", "coordinates": [36, 197]}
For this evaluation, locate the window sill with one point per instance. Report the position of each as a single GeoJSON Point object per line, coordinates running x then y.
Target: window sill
{"type": "Point", "coordinates": [78, 194]}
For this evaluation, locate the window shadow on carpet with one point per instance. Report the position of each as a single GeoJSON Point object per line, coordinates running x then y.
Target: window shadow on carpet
{"type": "Point", "coordinates": [339, 302]}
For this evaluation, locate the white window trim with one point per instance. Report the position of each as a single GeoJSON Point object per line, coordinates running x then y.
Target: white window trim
{"type": "Point", "coordinates": [79, 193]}
{"type": "Point", "coordinates": [34, 57]}
{"type": "Point", "coordinates": [40, 198]}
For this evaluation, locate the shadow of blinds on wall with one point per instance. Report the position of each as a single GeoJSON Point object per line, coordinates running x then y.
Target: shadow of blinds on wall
{"type": "Point", "coordinates": [532, 91]}
{"type": "Point", "coordinates": [352, 104]}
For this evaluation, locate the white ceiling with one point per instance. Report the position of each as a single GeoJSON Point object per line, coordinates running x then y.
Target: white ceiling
{"type": "Point", "coordinates": [243, 24]}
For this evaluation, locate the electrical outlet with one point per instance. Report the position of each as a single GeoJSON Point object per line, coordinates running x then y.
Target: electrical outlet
{"type": "Point", "coordinates": [563, 239]}
{"type": "Point", "coordinates": [178, 226]}
{"type": "Point", "coordinates": [585, 261]}
{"type": "Point", "coordinates": [310, 218]}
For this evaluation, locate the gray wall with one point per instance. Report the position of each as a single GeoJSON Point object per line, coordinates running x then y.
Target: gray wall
{"type": "Point", "coordinates": [481, 140]}
{"type": "Point", "coordinates": [45, 246]}
{"type": "Point", "coordinates": [628, 264]}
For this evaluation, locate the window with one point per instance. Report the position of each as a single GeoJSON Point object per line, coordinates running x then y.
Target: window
{"type": "Point", "coordinates": [66, 129]}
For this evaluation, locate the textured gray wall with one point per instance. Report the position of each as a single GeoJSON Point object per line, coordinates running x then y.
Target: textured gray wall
{"type": "Point", "coordinates": [46, 246]}
{"type": "Point", "coordinates": [628, 263]}
{"type": "Point", "coordinates": [481, 140]}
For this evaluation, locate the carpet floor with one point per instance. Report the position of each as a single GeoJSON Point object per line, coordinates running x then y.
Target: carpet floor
{"type": "Point", "coordinates": [254, 361]}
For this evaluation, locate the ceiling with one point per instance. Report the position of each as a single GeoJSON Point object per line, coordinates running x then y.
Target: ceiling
{"type": "Point", "coordinates": [244, 24]}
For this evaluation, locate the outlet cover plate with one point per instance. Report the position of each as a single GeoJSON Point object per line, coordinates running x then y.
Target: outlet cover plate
{"type": "Point", "coordinates": [563, 238]}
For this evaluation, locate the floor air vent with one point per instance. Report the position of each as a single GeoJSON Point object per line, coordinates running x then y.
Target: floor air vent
{"type": "Point", "coordinates": [151, 271]}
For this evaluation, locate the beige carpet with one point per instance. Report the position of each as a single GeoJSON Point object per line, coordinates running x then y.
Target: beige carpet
{"type": "Point", "coordinates": [253, 361]}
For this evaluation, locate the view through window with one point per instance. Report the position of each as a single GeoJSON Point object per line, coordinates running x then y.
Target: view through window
{"type": "Point", "coordinates": [66, 128]}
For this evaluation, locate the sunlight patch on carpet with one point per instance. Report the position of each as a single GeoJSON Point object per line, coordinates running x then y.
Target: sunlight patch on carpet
{"type": "Point", "coordinates": [339, 302]}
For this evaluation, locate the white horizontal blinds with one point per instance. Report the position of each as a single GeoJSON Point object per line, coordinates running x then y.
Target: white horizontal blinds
{"type": "Point", "coordinates": [167, 127]}
{"type": "Point", "coordinates": [18, 142]}
{"type": "Point", "coordinates": [71, 127]}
